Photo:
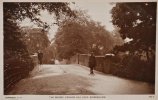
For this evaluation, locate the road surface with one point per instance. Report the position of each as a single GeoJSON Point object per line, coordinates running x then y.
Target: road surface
{"type": "Point", "coordinates": [75, 80]}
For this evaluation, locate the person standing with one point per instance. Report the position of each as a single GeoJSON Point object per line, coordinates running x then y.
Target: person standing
{"type": "Point", "coordinates": [40, 57]}
{"type": "Point", "coordinates": [92, 62]}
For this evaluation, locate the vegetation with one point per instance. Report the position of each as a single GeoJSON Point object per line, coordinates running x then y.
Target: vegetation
{"type": "Point", "coordinates": [16, 50]}
{"type": "Point", "coordinates": [13, 36]}
{"type": "Point", "coordinates": [136, 21]}
{"type": "Point", "coordinates": [35, 39]}
{"type": "Point", "coordinates": [82, 35]}
{"type": "Point", "coordinates": [78, 33]}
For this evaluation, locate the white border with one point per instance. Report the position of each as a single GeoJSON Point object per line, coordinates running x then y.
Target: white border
{"type": "Point", "coordinates": [49, 97]}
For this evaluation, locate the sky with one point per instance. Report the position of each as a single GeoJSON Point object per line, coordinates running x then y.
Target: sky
{"type": "Point", "coordinates": [98, 11]}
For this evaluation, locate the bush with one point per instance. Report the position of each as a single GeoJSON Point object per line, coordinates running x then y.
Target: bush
{"type": "Point", "coordinates": [134, 68]}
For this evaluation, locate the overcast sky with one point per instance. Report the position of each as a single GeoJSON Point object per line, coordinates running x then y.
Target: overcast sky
{"type": "Point", "coordinates": [98, 11]}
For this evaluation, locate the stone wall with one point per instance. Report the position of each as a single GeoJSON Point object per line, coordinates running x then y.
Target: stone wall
{"type": "Point", "coordinates": [128, 67]}
{"type": "Point", "coordinates": [103, 64]}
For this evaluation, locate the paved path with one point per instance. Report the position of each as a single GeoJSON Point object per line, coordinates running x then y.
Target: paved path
{"type": "Point", "coordinates": [75, 79]}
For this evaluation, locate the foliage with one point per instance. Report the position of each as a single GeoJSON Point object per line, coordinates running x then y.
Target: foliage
{"type": "Point", "coordinates": [118, 41]}
{"type": "Point", "coordinates": [69, 41]}
{"type": "Point", "coordinates": [35, 39]}
{"type": "Point", "coordinates": [11, 34]}
{"type": "Point", "coordinates": [82, 35]}
{"type": "Point", "coordinates": [16, 58]}
{"type": "Point", "coordinates": [137, 21]}
{"type": "Point", "coordinates": [16, 50]}
{"type": "Point", "coordinates": [19, 11]}
{"type": "Point", "coordinates": [13, 11]}
{"type": "Point", "coordinates": [49, 54]}
{"type": "Point", "coordinates": [14, 47]}
{"type": "Point", "coordinates": [132, 66]}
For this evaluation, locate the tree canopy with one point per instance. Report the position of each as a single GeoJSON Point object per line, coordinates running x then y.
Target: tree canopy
{"type": "Point", "coordinates": [19, 11]}
{"type": "Point", "coordinates": [14, 44]}
{"type": "Point", "coordinates": [35, 39]}
{"type": "Point", "coordinates": [82, 35]}
{"type": "Point", "coordinates": [137, 21]}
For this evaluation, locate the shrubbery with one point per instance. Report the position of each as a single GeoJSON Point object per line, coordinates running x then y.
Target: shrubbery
{"type": "Point", "coordinates": [133, 67]}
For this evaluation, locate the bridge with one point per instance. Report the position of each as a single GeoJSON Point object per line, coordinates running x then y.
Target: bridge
{"type": "Point", "coordinates": [74, 79]}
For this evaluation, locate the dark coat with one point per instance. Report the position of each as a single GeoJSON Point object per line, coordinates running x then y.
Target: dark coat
{"type": "Point", "coordinates": [40, 55]}
{"type": "Point", "coordinates": [92, 61]}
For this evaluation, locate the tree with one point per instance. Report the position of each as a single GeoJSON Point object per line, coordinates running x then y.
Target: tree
{"type": "Point", "coordinates": [14, 11]}
{"type": "Point", "coordinates": [70, 40]}
{"type": "Point", "coordinates": [17, 61]}
{"type": "Point", "coordinates": [137, 21]}
{"type": "Point", "coordinates": [13, 41]}
{"type": "Point", "coordinates": [19, 11]}
{"type": "Point", "coordinates": [117, 37]}
{"type": "Point", "coordinates": [82, 35]}
{"type": "Point", "coordinates": [35, 39]}
{"type": "Point", "coordinates": [16, 54]}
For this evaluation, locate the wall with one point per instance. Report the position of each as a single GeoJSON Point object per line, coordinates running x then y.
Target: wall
{"type": "Point", "coordinates": [17, 70]}
{"type": "Point", "coordinates": [129, 66]}
{"type": "Point", "coordinates": [103, 64]}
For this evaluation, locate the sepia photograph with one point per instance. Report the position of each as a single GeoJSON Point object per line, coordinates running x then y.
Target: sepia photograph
{"type": "Point", "coordinates": [79, 48]}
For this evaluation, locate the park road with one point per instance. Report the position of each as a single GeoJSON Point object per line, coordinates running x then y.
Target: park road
{"type": "Point", "coordinates": [75, 80]}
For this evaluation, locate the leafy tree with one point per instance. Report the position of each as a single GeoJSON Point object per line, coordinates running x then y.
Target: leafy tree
{"type": "Point", "coordinates": [17, 61]}
{"type": "Point", "coordinates": [16, 54]}
{"type": "Point", "coordinates": [137, 21]}
{"type": "Point", "coordinates": [70, 41]}
{"type": "Point", "coordinates": [117, 37]}
{"type": "Point", "coordinates": [13, 40]}
{"type": "Point", "coordinates": [14, 11]}
{"type": "Point", "coordinates": [19, 11]}
{"type": "Point", "coordinates": [49, 54]}
{"type": "Point", "coordinates": [82, 35]}
{"type": "Point", "coordinates": [35, 39]}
